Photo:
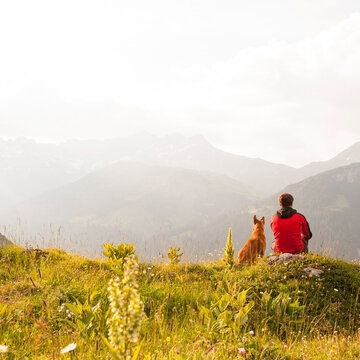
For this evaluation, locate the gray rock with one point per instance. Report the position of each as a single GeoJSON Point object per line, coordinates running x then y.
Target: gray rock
{"type": "Point", "coordinates": [284, 257]}
{"type": "Point", "coordinates": [288, 257]}
{"type": "Point", "coordinates": [313, 272]}
{"type": "Point", "coordinates": [272, 259]}
{"type": "Point", "coordinates": [4, 241]}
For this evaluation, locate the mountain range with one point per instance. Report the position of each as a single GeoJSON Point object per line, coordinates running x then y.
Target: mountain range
{"type": "Point", "coordinates": [139, 201]}
{"type": "Point", "coordinates": [29, 168]}
{"type": "Point", "coordinates": [158, 191]}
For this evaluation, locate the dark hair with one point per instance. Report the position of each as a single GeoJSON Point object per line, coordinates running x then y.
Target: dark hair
{"type": "Point", "coordinates": [286, 200]}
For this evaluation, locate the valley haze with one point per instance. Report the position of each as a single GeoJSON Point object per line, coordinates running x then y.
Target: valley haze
{"type": "Point", "coordinates": [163, 191]}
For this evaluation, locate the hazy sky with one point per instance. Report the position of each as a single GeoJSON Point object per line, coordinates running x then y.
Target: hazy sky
{"type": "Point", "coordinates": [275, 79]}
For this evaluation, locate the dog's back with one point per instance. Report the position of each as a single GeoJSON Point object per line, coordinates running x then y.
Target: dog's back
{"type": "Point", "coordinates": [256, 245]}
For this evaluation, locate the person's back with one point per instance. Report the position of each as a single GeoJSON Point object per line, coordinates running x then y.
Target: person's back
{"type": "Point", "coordinates": [291, 230]}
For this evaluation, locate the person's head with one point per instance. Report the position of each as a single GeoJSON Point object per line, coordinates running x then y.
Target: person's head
{"type": "Point", "coordinates": [286, 200]}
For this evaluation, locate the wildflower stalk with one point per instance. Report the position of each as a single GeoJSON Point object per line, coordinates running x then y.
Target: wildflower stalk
{"type": "Point", "coordinates": [126, 311]}
{"type": "Point", "coordinates": [229, 252]}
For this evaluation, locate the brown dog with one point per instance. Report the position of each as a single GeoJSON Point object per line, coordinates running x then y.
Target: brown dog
{"type": "Point", "coordinates": [256, 245]}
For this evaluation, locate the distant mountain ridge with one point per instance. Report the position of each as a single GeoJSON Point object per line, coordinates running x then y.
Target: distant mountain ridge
{"type": "Point", "coordinates": [28, 168]}
{"type": "Point", "coordinates": [193, 152]}
{"type": "Point", "coordinates": [140, 202]}
{"type": "Point", "coordinates": [346, 157]}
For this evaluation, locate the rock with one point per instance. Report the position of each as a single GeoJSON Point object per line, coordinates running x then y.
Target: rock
{"type": "Point", "coordinates": [284, 257]}
{"type": "Point", "coordinates": [4, 241]}
{"type": "Point", "coordinates": [36, 252]}
{"type": "Point", "coordinates": [272, 259]}
{"type": "Point", "coordinates": [288, 257]}
{"type": "Point", "coordinates": [312, 272]}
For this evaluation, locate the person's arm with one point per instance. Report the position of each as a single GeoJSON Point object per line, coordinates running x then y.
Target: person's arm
{"type": "Point", "coordinates": [305, 228]}
{"type": "Point", "coordinates": [271, 224]}
{"type": "Point", "coordinates": [273, 243]}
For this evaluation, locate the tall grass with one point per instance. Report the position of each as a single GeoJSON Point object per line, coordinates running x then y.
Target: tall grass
{"type": "Point", "coordinates": [51, 299]}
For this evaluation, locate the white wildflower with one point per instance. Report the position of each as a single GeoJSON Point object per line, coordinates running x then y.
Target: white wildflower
{"type": "Point", "coordinates": [3, 349]}
{"type": "Point", "coordinates": [66, 349]}
{"type": "Point", "coordinates": [126, 310]}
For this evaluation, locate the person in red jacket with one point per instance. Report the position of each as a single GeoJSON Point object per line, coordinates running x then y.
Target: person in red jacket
{"type": "Point", "coordinates": [291, 229]}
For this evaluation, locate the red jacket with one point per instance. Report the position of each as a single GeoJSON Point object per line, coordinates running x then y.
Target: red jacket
{"type": "Point", "coordinates": [289, 229]}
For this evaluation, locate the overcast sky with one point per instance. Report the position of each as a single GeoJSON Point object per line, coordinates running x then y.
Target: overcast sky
{"type": "Point", "coordinates": [274, 79]}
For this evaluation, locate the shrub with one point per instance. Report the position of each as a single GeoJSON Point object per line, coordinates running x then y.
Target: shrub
{"type": "Point", "coordinates": [174, 255]}
{"type": "Point", "coordinates": [117, 254]}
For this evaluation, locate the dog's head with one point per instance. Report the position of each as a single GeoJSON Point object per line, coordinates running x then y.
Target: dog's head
{"type": "Point", "coordinates": [259, 224]}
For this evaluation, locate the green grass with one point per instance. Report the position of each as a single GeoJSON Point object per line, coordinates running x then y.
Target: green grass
{"type": "Point", "coordinates": [293, 316]}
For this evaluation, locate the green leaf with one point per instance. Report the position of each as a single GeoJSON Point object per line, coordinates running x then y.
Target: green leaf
{"type": "Point", "coordinates": [207, 313]}
{"type": "Point", "coordinates": [112, 351]}
{"type": "Point", "coordinates": [224, 302]}
{"type": "Point", "coordinates": [240, 319]}
{"type": "Point", "coordinates": [95, 308]}
{"type": "Point", "coordinates": [226, 317]}
{"type": "Point", "coordinates": [70, 323]}
{"type": "Point", "coordinates": [248, 307]}
{"type": "Point", "coordinates": [137, 352]}
{"type": "Point", "coordinates": [242, 298]}
{"type": "Point", "coordinates": [294, 307]}
{"type": "Point", "coordinates": [74, 309]}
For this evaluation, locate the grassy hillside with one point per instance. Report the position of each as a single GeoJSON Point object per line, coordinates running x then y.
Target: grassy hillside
{"type": "Point", "coordinates": [191, 311]}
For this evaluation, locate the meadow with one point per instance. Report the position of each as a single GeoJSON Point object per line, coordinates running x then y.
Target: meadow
{"type": "Point", "coordinates": [50, 299]}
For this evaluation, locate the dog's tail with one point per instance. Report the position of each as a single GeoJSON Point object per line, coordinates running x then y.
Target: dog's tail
{"type": "Point", "coordinates": [242, 256]}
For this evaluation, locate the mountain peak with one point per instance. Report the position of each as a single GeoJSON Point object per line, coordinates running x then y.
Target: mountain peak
{"type": "Point", "coordinates": [199, 139]}
{"type": "Point", "coordinates": [348, 156]}
{"type": "Point", "coordinates": [177, 138]}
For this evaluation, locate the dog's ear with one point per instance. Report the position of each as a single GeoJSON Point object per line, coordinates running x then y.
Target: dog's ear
{"type": "Point", "coordinates": [263, 220]}
{"type": "Point", "coordinates": [255, 219]}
